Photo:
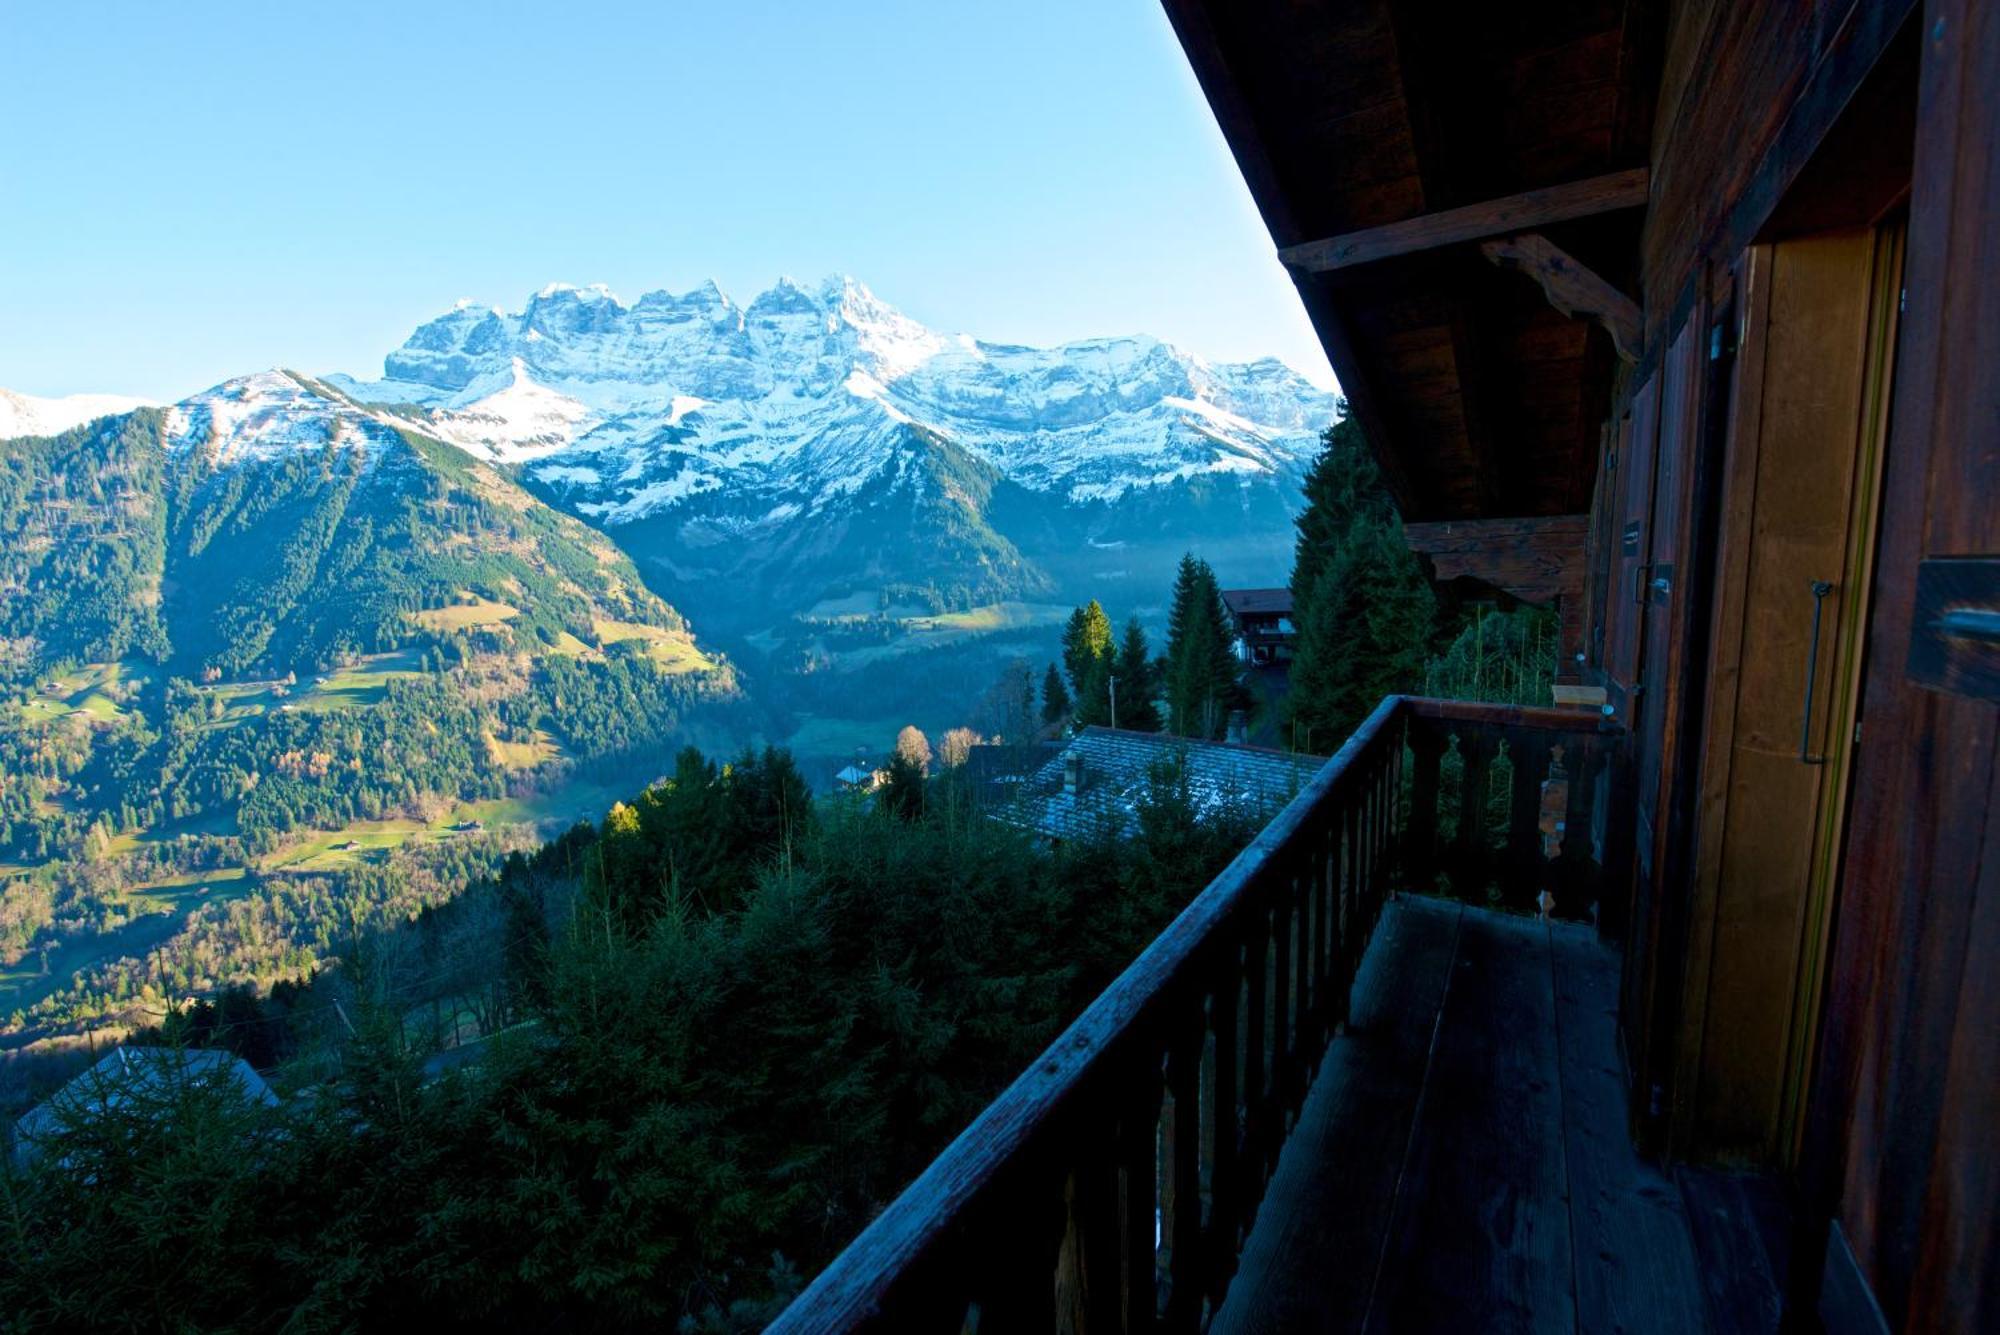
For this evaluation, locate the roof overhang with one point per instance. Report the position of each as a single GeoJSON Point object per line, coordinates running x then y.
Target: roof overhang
{"type": "Point", "coordinates": [1460, 203]}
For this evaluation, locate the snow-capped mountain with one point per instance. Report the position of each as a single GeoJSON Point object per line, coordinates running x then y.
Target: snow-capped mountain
{"type": "Point", "coordinates": [817, 442]}
{"type": "Point", "coordinates": [26, 415]}
{"type": "Point", "coordinates": [628, 410]}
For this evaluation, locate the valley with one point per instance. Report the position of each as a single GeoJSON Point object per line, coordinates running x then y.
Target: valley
{"type": "Point", "coordinates": [304, 653]}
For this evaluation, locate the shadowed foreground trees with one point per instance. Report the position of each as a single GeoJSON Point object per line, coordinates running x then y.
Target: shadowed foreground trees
{"type": "Point", "coordinates": [751, 1024]}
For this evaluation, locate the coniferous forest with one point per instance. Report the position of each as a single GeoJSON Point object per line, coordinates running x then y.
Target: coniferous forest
{"type": "Point", "coordinates": [727, 1024]}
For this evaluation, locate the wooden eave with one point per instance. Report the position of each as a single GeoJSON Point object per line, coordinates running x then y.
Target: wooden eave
{"type": "Point", "coordinates": [1384, 145]}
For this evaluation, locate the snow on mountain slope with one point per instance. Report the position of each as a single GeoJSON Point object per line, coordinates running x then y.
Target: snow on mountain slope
{"type": "Point", "coordinates": [270, 414]}
{"type": "Point", "coordinates": [800, 398]}
{"type": "Point", "coordinates": [27, 415]}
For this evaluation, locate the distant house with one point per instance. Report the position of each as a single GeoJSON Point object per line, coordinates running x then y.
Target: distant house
{"type": "Point", "coordinates": [129, 1073]}
{"type": "Point", "coordinates": [1094, 785]}
{"type": "Point", "coordinates": [1264, 627]}
{"type": "Point", "coordinates": [858, 779]}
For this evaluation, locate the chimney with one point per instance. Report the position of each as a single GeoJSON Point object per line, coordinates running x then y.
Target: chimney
{"type": "Point", "coordinates": [1239, 730]}
{"type": "Point", "coordinates": [1072, 773]}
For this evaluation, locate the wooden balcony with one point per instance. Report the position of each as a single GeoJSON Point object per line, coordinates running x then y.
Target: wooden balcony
{"type": "Point", "coordinates": [1316, 1103]}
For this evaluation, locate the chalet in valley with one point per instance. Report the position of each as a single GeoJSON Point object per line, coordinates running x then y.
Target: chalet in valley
{"type": "Point", "coordinates": [1265, 633]}
{"type": "Point", "coordinates": [1681, 318]}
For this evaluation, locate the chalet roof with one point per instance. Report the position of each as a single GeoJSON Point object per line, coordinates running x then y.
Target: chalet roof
{"type": "Point", "coordinates": [1384, 144]}
{"type": "Point", "coordinates": [127, 1072]}
{"type": "Point", "coordinates": [1254, 602]}
{"type": "Point", "coordinates": [997, 762]}
{"type": "Point", "coordinates": [1116, 769]}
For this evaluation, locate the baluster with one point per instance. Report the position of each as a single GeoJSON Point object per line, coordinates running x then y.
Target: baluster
{"type": "Point", "coordinates": [1279, 1037]}
{"type": "Point", "coordinates": [1139, 1162]}
{"type": "Point", "coordinates": [1026, 1227]}
{"type": "Point", "coordinates": [1578, 883]}
{"type": "Point", "coordinates": [1352, 934]}
{"type": "Point", "coordinates": [1301, 958]}
{"type": "Point", "coordinates": [1378, 849]}
{"type": "Point", "coordinates": [1256, 1067]}
{"type": "Point", "coordinates": [1189, 1268]}
{"type": "Point", "coordinates": [1095, 1286]}
{"type": "Point", "coordinates": [1471, 859]}
{"type": "Point", "coordinates": [1372, 816]}
{"type": "Point", "coordinates": [1327, 869]}
{"type": "Point", "coordinates": [1227, 1226]}
{"type": "Point", "coordinates": [1397, 815]}
{"type": "Point", "coordinates": [1427, 745]}
{"type": "Point", "coordinates": [1528, 752]}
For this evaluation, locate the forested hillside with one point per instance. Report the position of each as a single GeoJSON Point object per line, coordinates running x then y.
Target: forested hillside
{"type": "Point", "coordinates": [218, 672]}
{"type": "Point", "coordinates": [727, 1024]}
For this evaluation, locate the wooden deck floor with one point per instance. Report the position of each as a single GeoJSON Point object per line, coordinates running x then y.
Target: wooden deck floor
{"type": "Point", "coordinates": [1462, 1162]}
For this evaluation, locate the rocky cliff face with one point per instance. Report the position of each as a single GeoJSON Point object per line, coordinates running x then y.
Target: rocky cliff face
{"type": "Point", "coordinates": [778, 444]}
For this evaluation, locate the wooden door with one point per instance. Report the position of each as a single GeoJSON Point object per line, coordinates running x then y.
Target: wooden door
{"type": "Point", "coordinates": [1800, 489]}
{"type": "Point", "coordinates": [1624, 597]}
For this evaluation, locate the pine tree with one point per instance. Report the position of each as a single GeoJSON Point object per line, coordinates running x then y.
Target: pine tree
{"type": "Point", "coordinates": [1138, 692]}
{"type": "Point", "coordinates": [1055, 698]}
{"type": "Point", "coordinates": [1204, 678]}
{"type": "Point", "coordinates": [1364, 610]}
{"type": "Point", "coordinates": [1087, 655]}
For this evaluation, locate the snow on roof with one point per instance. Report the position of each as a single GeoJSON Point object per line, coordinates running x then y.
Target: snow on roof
{"type": "Point", "coordinates": [1116, 766]}
{"type": "Point", "coordinates": [128, 1071]}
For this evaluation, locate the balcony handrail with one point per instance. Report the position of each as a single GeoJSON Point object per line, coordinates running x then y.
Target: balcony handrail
{"type": "Point", "coordinates": [876, 1276]}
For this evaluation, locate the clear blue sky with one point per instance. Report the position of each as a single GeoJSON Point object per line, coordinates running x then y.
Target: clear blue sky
{"type": "Point", "coordinates": [193, 190]}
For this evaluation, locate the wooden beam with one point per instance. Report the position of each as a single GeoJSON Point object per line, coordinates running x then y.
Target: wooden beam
{"type": "Point", "coordinates": [1539, 560]}
{"type": "Point", "coordinates": [1570, 287]}
{"type": "Point", "coordinates": [1473, 222]}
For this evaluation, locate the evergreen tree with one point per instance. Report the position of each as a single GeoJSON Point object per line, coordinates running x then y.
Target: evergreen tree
{"type": "Point", "coordinates": [1087, 655]}
{"type": "Point", "coordinates": [1364, 609]}
{"type": "Point", "coordinates": [1055, 698]}
{"type": "Point", "coordinates": [1138, 690]}
{"type": "Point", "coordinates": [1204, 678]}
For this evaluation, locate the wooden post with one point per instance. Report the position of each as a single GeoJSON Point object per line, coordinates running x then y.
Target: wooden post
{"type": "Point", "coordinates": [1427, 745]}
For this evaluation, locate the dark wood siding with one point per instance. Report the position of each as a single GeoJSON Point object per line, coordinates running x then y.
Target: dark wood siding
{"type": "Point", "coordinates": [1905, 1137]}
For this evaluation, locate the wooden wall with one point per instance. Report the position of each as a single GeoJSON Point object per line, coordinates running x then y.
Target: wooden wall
{"type": "Point", "coordinates": [1904, 1133]}
{"type": "Point", "coordinates": [1748, 90]}
{"type": "Point", "coordinates": [1902, 1139]}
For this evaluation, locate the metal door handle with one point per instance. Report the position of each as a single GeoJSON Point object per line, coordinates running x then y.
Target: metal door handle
{"type": "Point", "coordinates": [1820, 589]}
{"type": "Point", "coordinates": [1639, 582]}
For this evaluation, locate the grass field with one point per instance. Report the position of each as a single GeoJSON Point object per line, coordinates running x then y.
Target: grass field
{"type": "Point", "coordinates": [463, 616]}
{"type": "Point", "coordinates": [672, 650]}
{"type": "Point", "coordinates": [933, 632]}
{"type": "Point", "coordinates": [523, 755]}
{"type": "Point", "coordinates": [820, 736]}
{"type": "Point", "coordinates": [363, 683]}
{"type": "Point", "coordinates": [86, 691]}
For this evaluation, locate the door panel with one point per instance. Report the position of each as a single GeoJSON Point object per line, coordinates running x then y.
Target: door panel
{"type": "Point", "coordinates": [1623, 608]}
{"type": "Point", "coordinates": [1801, 479]}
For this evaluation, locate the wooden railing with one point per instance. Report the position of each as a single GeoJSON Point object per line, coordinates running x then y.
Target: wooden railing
{"type": "Point", "coordinates": [1111, 1187]}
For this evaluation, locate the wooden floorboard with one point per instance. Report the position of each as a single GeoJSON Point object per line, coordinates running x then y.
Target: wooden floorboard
{"type": "Point", "coordinates": [1742, 1235]}
{"type": "Point", "coordinates": [1310, 1264]}
{"type": "Point", "coordinates": [1463, 1161]}
{"type": "Point", "coordinates": [1481, 1237]}
{"type": "Point", "coordinates": [1635, 1261]}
